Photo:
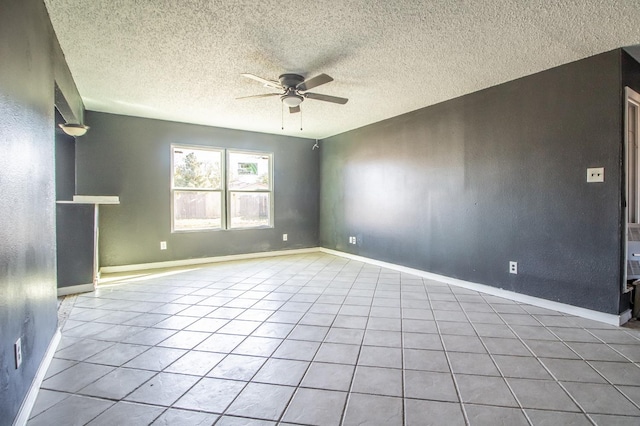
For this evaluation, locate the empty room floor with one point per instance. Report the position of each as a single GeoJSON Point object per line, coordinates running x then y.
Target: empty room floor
{"type": "Point", "coordinates": [316, 339]}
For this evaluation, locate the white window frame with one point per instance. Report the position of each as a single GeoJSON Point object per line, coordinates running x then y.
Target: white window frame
{"type": "Point", "coordinates": [221, 190]}
{"type": "Point", "coordinates": [632, 158]}
{"type": "Point", "coordinates": [632, 180]}
{"type": "Point", "coordinates": [225, 192]}
{"type": "Point", "coordinates": [263, 191]}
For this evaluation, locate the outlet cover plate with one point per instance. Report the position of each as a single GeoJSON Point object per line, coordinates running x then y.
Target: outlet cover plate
{"type": "Point", "coordinates": [513, 267]}
{"type": "Point", "coordinates": [595, 174]}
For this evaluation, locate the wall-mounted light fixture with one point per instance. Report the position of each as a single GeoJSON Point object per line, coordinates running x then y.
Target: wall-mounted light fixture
{"type": "Point", "coordinates": [73, 129]}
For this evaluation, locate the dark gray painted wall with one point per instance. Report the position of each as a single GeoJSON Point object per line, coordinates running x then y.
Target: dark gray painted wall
{"type": "Point", "coordinates": [74, 222]}
{"type": "Point", "coordinates": [65, 162]}
{"type": "Point", "coordinates": [67, 98]}
{"type": "Point", "coordinates": [74, 243]}
{"type": "Point", "coordinates": [130, 157]}
{"type": "Point", "coordinates": [27, 213]}
{"type": "Point", "coordinates": [465, 186]}
{"type": "Point", "coordinates": [630, 71]}
{"type": "Point", "coordinates": [633, 51]}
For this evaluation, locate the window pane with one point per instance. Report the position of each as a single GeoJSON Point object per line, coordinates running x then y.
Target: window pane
{"type": "Point", "coordinates": [249, 172]}
{"type": "Point", "coordinates": [250, 209]}
{"type": "Point", "coordinates": [197, 168]}
{"type": "Point", "coordinates": [197, 210]}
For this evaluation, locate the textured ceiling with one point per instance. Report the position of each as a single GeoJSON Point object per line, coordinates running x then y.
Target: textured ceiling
{"type": "Point", "coordinates": [182, 60]}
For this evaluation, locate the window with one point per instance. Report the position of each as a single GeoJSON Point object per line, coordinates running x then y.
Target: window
{"type": "Point", "coordinates": [197, 189]}
{"type": "Point", "coordinates": [203, 199]}
{"type": "Point", "coordinates": [249, 189]}
{"type": "Point", "coordinates": [633, 160]}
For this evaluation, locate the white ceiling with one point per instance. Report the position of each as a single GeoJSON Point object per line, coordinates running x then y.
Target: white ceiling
{"type": "Point", "coordinates": [181, 60]}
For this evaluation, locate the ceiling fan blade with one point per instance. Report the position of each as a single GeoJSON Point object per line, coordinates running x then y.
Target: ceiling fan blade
{"type": "Point", "coordinates": [314, 82]}
{"type": "Point", "coordinates": [326, 98]}
{"type": "Point", "coordinates": [265, 95]}
{"type": "Point", "coordinates": [294, 110]}
{"type": "Point", "coordinates": [268, 83]}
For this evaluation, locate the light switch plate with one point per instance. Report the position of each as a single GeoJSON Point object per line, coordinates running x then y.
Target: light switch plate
{"type": "Point", "coordinates": [595, 174]}
{"type": "Point", "coordinates": [17, 347]}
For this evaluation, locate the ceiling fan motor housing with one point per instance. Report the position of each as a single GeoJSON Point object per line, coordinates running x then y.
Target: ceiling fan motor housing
{"type": "Point", "coordinates": [290, 80]}
{"type": "Point", "coordinates": [296, 89]}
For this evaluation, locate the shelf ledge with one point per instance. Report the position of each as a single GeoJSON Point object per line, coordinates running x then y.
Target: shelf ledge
{"type": "Point", "coordinates": [93, 199]}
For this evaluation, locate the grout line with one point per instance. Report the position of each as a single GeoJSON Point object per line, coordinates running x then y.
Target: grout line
{"type": "Point", "coordinates": [297, 388]}
{"type": "Point", "coordinates": [355, 366]}
{"type": "Point", "coordinates": [270, 357]}
{"type": "Point", "coordinates": [548, 370]}
{"type": "Point", "coordinates": [446, 354]}
{"type": "Point", "coordinates": [402, 360]}
{"type": "Point", "coordinates": [493, 360]}
{"type": "Point", "coordinates": [588, 362]}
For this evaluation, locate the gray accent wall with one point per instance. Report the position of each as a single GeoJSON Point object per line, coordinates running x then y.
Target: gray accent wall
{"type": "Point", "coordinates": [463, 187]}
{"type": "Point", "coordinates": [67, 98]}
{"type": "Point", "coordinates": [74, 243]}
{"type": "Point", "coordinates": [30, 55]}
{"type": "Point", "coordinates": [130, 157]}
{"type": "Point", "coordinates": [65, 162]}
{"type": "Point", "coordinates": [631, 69]}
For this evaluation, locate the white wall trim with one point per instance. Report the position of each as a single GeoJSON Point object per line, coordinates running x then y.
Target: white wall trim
{"type": "Point", "coordinates": [30, 399]}
{"type": "Point", "coordinates": [75, 289]}
{"type": "Point", "coordinates": [203, 260]}
{"type": "Point", "coordinates": [506, 294]}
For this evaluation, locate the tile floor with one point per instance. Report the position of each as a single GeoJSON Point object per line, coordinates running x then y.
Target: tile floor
{"type": "Point", "coordinates": [321, 340]}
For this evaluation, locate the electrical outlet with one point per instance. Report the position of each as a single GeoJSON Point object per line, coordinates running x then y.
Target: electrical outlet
{"type": "Point", "coordinates": [163, 245]}
{"type": "Point", "coordinates": [355, 240]}
{"type": "Point", "coordinates": [285, 237]}
{"type": "Point", "coordinates": [18, 352]}
{"type": "Point", "coordinates": [513, 267]}
{"type": "Point", "coordinates": [595, 174]}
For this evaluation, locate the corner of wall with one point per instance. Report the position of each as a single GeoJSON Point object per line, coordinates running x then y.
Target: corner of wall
{"type": "Point", "coordinates": [67, 97]}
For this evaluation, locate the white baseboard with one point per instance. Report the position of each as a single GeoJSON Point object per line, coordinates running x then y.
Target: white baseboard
{"type": "Point", "coordinates": [203, 260]}
{"type": "Point", "coordinates": [30, 399]}
{"type": "Point", "coordinates": [75, 289]}
{"type": "Point", "coordinates": [612, 319]}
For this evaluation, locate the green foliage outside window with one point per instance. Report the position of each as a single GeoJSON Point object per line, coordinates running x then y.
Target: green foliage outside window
{"type": "Point", "coordinates": [193, 173]}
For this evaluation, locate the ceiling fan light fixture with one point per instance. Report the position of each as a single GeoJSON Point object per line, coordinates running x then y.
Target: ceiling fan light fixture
{"type": "Point", "coordinates": [295, 90]}
{"type": "Point", "coordinates": [291, 100]}
{"type": "Point", "coordinates": [74, 129]}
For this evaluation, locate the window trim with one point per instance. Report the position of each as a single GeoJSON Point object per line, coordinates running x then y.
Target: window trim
{"type": "Point", "coordinates": [221, 190]}
{"type": "Point", "coordinates": [228, 191]}
{"type": "Point", "coordinates": [225, 192]}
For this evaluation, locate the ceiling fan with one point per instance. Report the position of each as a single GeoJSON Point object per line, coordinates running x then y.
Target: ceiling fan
{"type": "Point", "coordinates": [294, 88]}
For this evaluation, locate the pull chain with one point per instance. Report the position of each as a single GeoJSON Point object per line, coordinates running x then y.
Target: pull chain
{"type": "Point", "coordinates": [282, 115]}
{"type": "Point", "coordinates": [300, 119]}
